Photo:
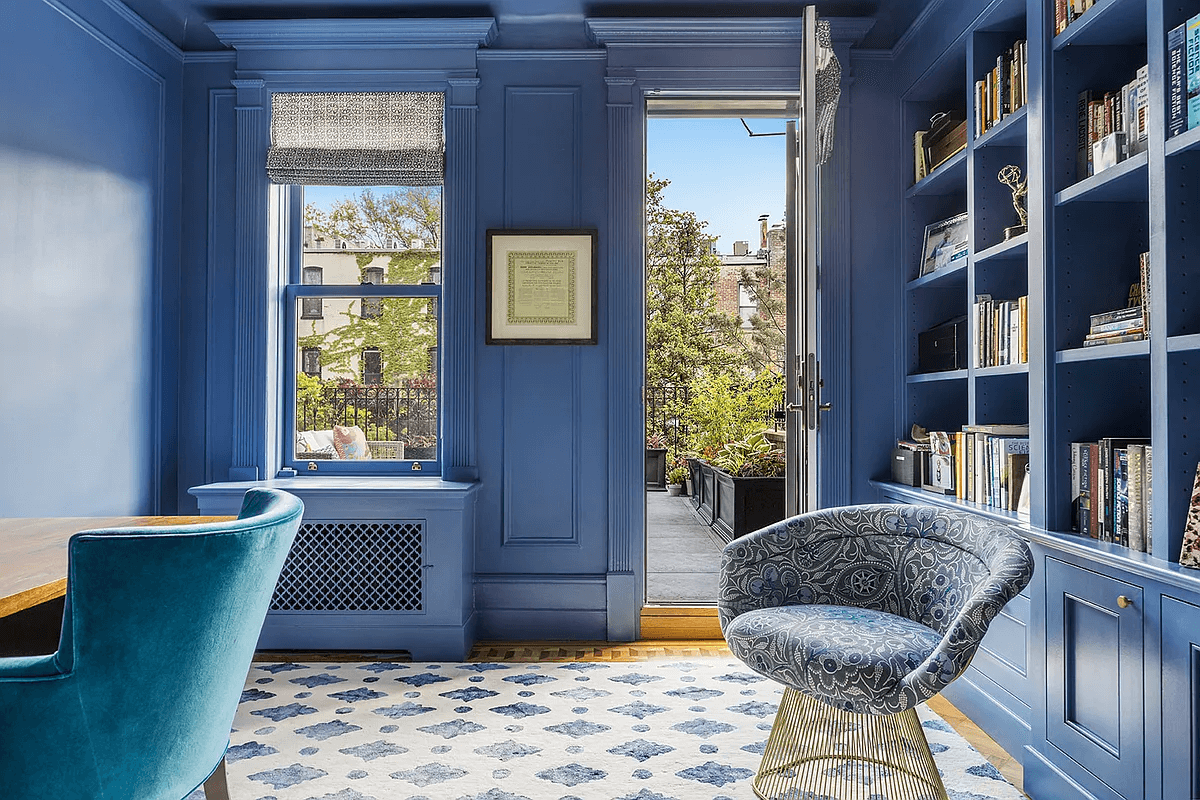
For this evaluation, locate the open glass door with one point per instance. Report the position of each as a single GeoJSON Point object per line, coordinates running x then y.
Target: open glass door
{"type": "Point", "coordinates": [809, 141]}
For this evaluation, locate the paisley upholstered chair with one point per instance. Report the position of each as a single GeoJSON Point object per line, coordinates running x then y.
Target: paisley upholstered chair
{"type": "Point", "coordinates": [158, 632]}
{"type": "Point", "coordinates": [863, 613]}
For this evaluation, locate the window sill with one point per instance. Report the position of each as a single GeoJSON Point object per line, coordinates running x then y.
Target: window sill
{"type": "Point", "coordinates": [429, 492]}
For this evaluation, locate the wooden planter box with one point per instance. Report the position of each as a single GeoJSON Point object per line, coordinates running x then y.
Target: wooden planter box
{"type": "Point", "coordinates": [735, 506]}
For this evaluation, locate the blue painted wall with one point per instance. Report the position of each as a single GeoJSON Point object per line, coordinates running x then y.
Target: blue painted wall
{"type": "Point", "coordinates": [131, 161]}
{"type": "Point", "coordinates": [89, 213]}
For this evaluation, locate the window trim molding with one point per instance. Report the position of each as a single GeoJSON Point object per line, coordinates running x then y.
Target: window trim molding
{"type": "Point", "coordinates": [274, 55]}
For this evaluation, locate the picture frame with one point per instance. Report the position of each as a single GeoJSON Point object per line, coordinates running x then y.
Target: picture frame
{"type": "Point", "coordinates": [946, 244]}
{"type": "Point", "coordinates": [541, 286]}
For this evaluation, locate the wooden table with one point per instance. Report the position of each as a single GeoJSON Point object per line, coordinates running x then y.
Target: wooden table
{"type": "Point", "coordinates": [33, 553]}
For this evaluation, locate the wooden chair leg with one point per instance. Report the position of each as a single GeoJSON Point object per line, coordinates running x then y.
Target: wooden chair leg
{"type": "Point", "coordinates": [216, 787]}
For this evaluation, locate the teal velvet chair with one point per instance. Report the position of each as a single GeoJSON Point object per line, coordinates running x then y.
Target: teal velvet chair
{"type": "Point", "coordinates": [159, 629]}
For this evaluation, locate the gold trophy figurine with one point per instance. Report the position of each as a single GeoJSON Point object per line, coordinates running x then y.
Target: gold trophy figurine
{"type": "Point", "coordinates": [1010, 176]}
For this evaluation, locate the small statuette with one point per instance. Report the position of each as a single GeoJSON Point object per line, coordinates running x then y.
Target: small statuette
{"type": "Point", "coordinates": [1010, 176]}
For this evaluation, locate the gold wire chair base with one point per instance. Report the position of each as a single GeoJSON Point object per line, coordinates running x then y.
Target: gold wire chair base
{"type": "Point", "coordinates": [818, 752]}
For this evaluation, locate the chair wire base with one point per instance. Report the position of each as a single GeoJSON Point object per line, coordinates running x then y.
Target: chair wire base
{"type": "Point", "coordinates": [818, 752]}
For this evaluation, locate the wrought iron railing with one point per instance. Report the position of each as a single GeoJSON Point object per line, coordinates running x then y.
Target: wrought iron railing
{"type": "Point", "coordinates": [385, 413]}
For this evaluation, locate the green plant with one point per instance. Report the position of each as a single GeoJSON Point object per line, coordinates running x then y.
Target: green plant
{"type": "Point", "coordinates": [734, 455]}
{"type": "Point", "coordinates": [722, 410]}
{"type": "Point", "coordinates": [677, 475]}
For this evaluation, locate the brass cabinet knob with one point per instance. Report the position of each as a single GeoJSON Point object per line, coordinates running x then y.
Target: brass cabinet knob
{"type": "Point", "coordinates": [1123, 601]}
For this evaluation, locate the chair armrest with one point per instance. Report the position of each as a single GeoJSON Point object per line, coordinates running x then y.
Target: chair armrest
{"type": "Point", "coordinates": [30, 667]}
{"type": "Point", "coordinates": [758, 570]}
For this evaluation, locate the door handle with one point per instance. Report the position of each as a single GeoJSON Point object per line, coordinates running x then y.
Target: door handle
{"type": "Point", "coordinates": [1123, 601]}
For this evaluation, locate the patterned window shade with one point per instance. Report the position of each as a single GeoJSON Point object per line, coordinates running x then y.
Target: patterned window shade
{"type": "Point", "coordinates": [356, 138]}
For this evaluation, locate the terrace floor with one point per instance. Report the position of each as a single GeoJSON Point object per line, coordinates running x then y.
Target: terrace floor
{"type": "Point", "coordinates": [683, 558]}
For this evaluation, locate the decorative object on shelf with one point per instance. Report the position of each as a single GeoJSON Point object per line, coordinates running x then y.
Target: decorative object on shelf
{"type": "Point", "coordinates": [1010, 176]}
{"type": "Point", "coordinates": [945, 244]}
{"type": "Point", "coordinates": [939, 477]}
{"type": "Point", "coordinates": [943, 347]}
{"type": "Point", "coordinates": [946, 138]}
{"type": "Point", "coordinates": [1189, 553]}
{"type": "Point", "coordinates": [541, 287]}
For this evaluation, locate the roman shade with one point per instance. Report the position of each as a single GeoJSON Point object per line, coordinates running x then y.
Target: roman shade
{"type": "Point", "coordinates": [356, 138]}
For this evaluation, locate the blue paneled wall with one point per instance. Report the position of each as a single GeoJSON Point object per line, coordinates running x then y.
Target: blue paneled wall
{"type": "Point", "coordinates": [89, 219]}
{"type": "Point", "coordinates": [119, 197]}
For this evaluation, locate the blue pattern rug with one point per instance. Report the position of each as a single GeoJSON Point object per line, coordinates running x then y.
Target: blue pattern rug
{"type": "Point", "coordinates": [653, 730]}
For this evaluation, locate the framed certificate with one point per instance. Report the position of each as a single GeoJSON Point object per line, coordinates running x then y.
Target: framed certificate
{"type": "Point", "coordinates": [541, 287]}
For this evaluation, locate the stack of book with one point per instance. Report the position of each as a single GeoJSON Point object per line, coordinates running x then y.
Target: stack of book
{"type": "Point", "coordinates": [1000, 331]}
{"type": "Point", "coordinates": [991, 464]}
{"type": "Point", "coordinates": [1128, 324]}
{"type": "Point", "coordinates": [1110, 491]}
{"type": "Point", "coordinates": [1067, 11]}
{"type": "Point", "coordinates": [1003, 89]}
{"type": "Point", "coordinates": [1183, 77]}
{"type": "Point", "coordinates": [946, 138]}
{"type": "Point", "coordinates": [1112, 125]}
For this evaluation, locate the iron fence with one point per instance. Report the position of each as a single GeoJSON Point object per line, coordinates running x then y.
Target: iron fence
{"type": "Point", "coordinates": [385, 413]}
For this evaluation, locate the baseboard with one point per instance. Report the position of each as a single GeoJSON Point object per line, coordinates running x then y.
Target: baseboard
{"type": "Point", "coordinates": [680, 623]}
{"type": "Point", "coordinates": [1008, 726]}
{"type": "Point", "coordinates": [1045, 781]}
{"type": "Point", "coordinates": [367, 632]}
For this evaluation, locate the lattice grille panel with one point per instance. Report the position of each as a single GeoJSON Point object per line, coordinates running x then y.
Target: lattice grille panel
{"type": "Point", "coordinates": [353, 566]}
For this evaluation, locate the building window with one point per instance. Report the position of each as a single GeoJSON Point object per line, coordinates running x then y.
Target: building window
{"type": "Point", "coordinates": [372, 307]}
{"type": "Point", "coordinates": [372, 366]}
{"type": "Point", "coordinates": [747, 304]}
{"type": "Point", "coordinates": [313, 276]}
{"type": "Point", "coordinates": [311, 361]}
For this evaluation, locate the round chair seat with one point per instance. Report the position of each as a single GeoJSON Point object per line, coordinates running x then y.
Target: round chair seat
{"type": "Point", "coordinates": [855, 659]}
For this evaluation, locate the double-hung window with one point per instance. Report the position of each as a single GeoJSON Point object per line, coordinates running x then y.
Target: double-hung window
{"type": "Point", "coordinates": [363, 300]}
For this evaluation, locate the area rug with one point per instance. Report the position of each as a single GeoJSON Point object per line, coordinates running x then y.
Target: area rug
{"type": "Point", "coordinates": [652, 730]}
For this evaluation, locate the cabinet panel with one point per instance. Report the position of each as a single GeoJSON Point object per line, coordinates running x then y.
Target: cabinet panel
{"type": "Point", "coordinates": [1180, 699]}
{"type": "Point", "coordinates": [1094, 674]}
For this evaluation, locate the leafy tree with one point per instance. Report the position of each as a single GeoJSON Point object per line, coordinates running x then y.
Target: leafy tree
{"type": "Point", "coordinates": [686, 336]}
{"type": "Point", "coordinates": [403, 329]}
{"type": "Point", "coordinates": [766, 340]}
{"type": "Point", "coordinates": [405, 215]}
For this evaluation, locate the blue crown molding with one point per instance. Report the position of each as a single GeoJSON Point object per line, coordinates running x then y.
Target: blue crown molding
{"type": "Point", "coordinates": [848, 30]}
{"type": "Point", "coordinates": [209, 57]}
{"type": "Point", "coordinates": [541, 55]}
{"type": "Point", "coordinates": [153, 34]}
{"type": "Point", "coordinates": [353, 34]}
{"type": "Point", "coordinates": [696, 32]}
{"type": "Point", "coordinates": [904, 41]}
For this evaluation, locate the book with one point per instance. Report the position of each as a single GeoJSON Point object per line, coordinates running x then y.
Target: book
{"type": "Point", "coordinates": [1103, 318]}
{"type": "Point", "coordinates": [920, 167]}
{"type": "Point", "coordinates": [1014, 429]}
{"type": "Point", "coordinates": [1137, 511]}
{"type": "Point", "coordinates": [1107, 485]}
{"type": "Point", "coordinates": [1084, 121]}
{"type": "Point", "coordinates": [1144, 289]}
{"type": "Point", "coordinates": [1148, 495]}
{"type": "Point", "coordinates": [1120, 326]}
{"type": "Point", "coordinates": [1107, 339]}
{"type": "Point", "coordinates": [1192, 44]}
{"type": "Point", "coordinates": [1081, 478]}
{"type": "Point", "coordinates": [1120, 496]}
{"type": "Point", "coordinates": [1177, 116]}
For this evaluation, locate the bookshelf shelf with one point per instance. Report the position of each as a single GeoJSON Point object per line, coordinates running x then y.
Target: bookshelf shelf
{"type": "Point", "coordinates": [1013, 249]}
{"type": "Point", "coordinates": [942, 278]}
{"type": "Point", "coordinates": [1104, 351]}
{"type": "Point", "coordinates": [1125, 182]}
{"type": "Point", "coordinates": [1109, 22]}
{"type": "Point", "coordinates": [1184, 142]}
{"type": "Point", "coordinates": [919, 495]}
{"type": "Point", "coordinates": [1009, 132]}
{"type": "Point", "coordinates": [937, 377]}
{"type": "Point", "coordinates": [1183, 344]}
{"type": "Point", "coordinates": [1005, 369]}
{"type": "Point", "coordinates": [948, 178]}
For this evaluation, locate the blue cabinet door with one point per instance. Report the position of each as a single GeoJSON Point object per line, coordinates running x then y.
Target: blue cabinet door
{"type": "Point", "coordinates": [1181, 699]}
{"type": "Point", "coordinates": [1094, 675]}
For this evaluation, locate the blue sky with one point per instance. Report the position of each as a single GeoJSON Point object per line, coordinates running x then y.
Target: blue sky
{"type": "Point", "coordinates": [716, 170]}
{"type": "Point", "coordinates": [721, 173]}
